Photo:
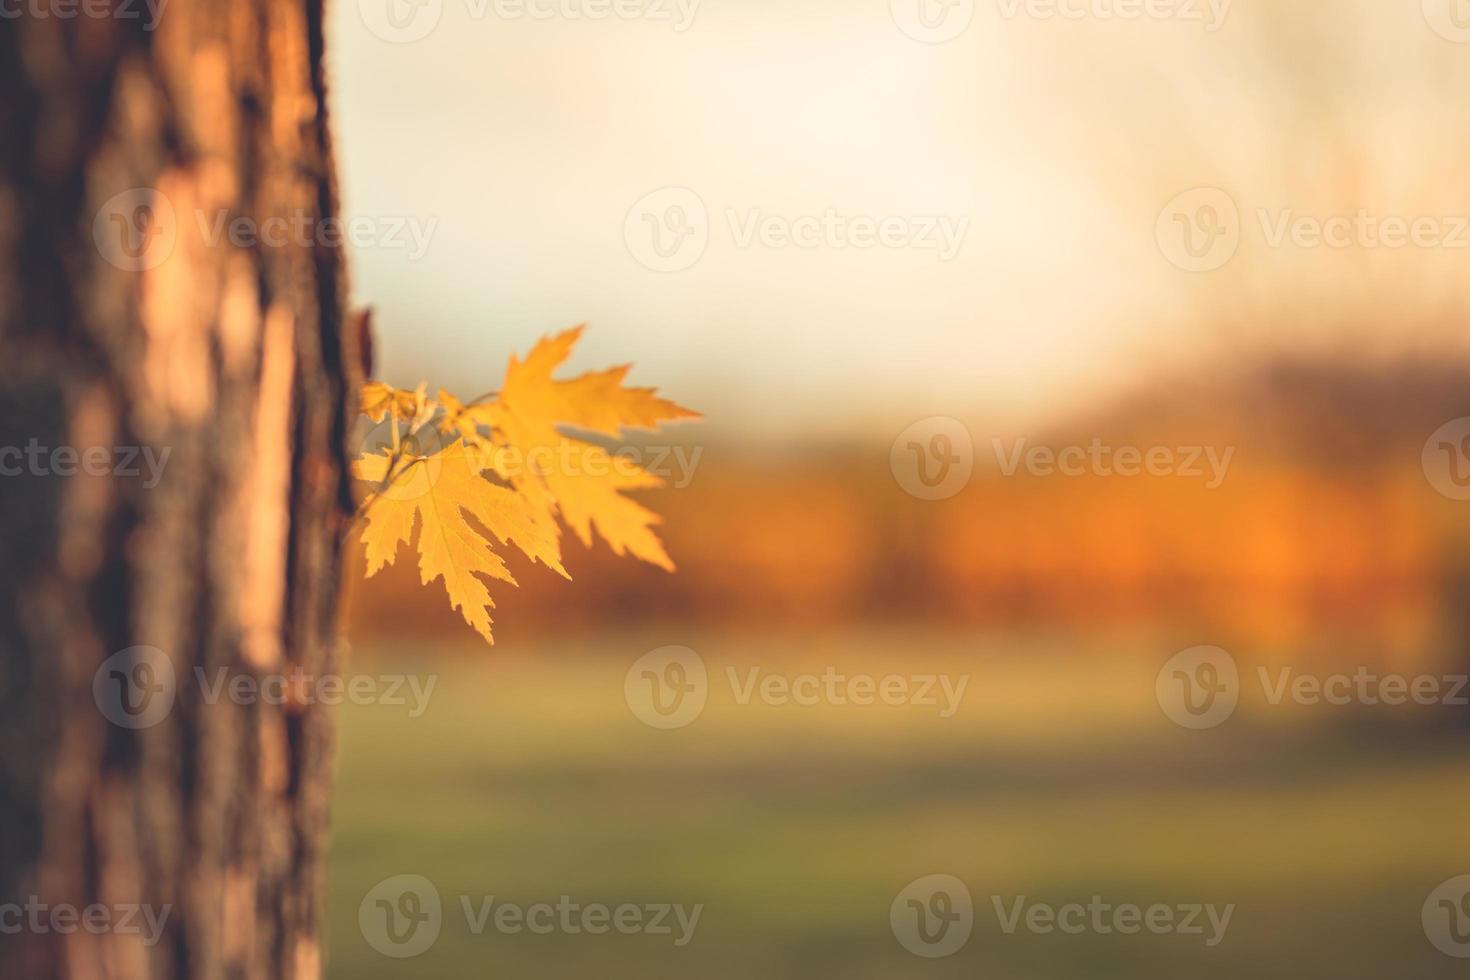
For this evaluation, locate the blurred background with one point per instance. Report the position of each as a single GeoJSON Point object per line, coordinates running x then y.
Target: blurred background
{"type": "Point", "coordinates": [1131, 201]}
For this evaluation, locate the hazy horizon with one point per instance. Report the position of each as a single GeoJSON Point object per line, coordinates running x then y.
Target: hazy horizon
{"type": "Point", "coordinates": [1050, 146]}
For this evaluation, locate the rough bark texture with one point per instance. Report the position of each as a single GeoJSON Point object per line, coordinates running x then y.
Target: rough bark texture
{"type": "Point", "coordinates": [234, 359]}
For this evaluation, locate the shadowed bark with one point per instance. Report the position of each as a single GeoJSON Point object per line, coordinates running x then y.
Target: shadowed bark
{"type": "Point", "coordinates": [214, 373]}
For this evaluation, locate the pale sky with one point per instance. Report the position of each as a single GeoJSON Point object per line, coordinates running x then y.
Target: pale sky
{"type": "Point", "coordinates": [1046, 147]}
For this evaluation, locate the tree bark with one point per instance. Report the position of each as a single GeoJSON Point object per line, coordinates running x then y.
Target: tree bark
{"type": "Point", "coordinates": [131, 318]}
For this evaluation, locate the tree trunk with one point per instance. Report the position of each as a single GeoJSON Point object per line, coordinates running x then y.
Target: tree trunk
{"type": "Point", "coordinates": [134, 317]}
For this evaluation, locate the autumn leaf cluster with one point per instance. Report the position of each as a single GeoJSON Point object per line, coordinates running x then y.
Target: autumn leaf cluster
{"type": "Point", "coordinates": [474, 478]}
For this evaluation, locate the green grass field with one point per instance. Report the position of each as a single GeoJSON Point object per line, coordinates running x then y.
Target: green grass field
{"type": "Point", "coordinates": [528, 778]}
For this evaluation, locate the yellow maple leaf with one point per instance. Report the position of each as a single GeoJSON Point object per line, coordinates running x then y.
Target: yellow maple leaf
{"type": "Point", "coordinates": [379, 400]}
{"type": "Point", "coordinates": [463, 421]}
{"type": "Point", "coordinates": [436, 474]}
{"type": "Point", "coordinates": [579, 480]}
{"type": "Point", "coordinates": [436, 491]}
